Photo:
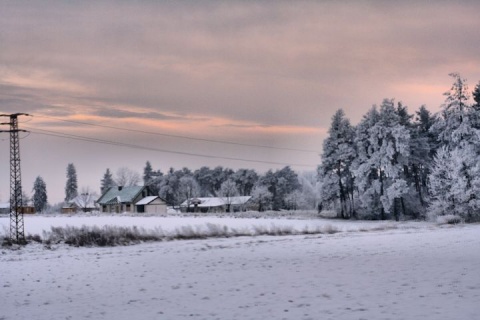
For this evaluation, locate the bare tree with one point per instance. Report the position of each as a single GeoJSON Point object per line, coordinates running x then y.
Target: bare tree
{"type": "Point", "coordinates": [126, 177]}
{"type": "Point", "coordinates": [188, 189]}
{"type": "Point", "coordinates": [86, 199]}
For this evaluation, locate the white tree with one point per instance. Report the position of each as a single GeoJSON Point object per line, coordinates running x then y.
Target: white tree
{"type": "Point", "coordinates": [455, 183]}
{"type": "Point", "coordinates": [188, 189]}
{"type": "Point", "coordinates": [309, 188]}
{"type": "Point", "coordinates": [384, 145]}
{"type": "Point", "coordinates": [455, 175]}
{"type": "Point", "coordinates": [126, 177]}
{"type": "Point", "coordinates": [228, 190]}
{"type": "Point", "coordinates": [454, 126]}
{"type": "Point", "coordinates": [335, 170]}
{"type": "Point", "coordinates": [262, 197]}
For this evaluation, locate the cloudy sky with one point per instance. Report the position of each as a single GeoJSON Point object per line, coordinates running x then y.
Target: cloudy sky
{"type": "Point", "coordinates": [176, 79]}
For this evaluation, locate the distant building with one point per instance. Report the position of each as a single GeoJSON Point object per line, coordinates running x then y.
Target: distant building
{"type": "Point", "coordinates": [84, 202]}
{"type": "Point", "coordinates": [131, 199]}
{"type": "Point", "coordinates": [4, 207]}
{"type": "Point", "coordinates": [151, 204]}
{"type": "Point", "coordinates": [216, 204]}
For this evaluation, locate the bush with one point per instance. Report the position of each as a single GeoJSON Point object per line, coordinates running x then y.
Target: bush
{"type": "Point", "coordinates": [449, 219]}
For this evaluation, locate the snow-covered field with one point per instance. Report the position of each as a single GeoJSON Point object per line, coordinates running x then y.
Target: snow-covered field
{"type": "Point", "coordinates": [409, 271]}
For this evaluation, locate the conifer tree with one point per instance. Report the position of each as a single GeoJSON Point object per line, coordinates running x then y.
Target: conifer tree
{"type": "Point", "coordinates": [335, 170]}
{"type": "Point", "coordinates": [71, 187]}
{"type": "Point", "coordinates": [40, 199]}
{"type": "Point", "coordinates": [454, 179]}
{"type": "Point", "coordinates": [107, 181]}
{"type": "Point", "coordinates": [384, 145]}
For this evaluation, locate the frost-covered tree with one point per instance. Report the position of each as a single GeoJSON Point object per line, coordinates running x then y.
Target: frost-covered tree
{"type": "Point", "coordinates": [204, 177]}
{"type": "Point", "coordinates": [383, 145]}
{"type": "Point", "coordinates": [310, 189]}
{"type": "Point", "coordinates": [210, 180]}
{"type": "Point", "coordinates": [297, 201]}
{"type": "Point", "coordinates": [169, 186]}
{"type": "Point", "coordinates": [335, 170]}
{"type": "Point", "coordinates": [228, 190]}
{"type": "Point", "coordinates": [188, 188]}
{"type": "Point", "coordinates": [126, 177]}
{"type": "Point", "coordinates": [454, 127]}
{"type": "Point", "coordinates": [262, 197]}
{"type": "Point", "coordinates": [422, 149]}
{"type": "Point", "coordinates": [454, 179]}
{"type": "Point", "coordinates": [40, 199]}
{"type": "Point", "coordinates": [455, 183]}
{"type": "Point", "coordinates": [107, 181]}
{"type": "Point", "coordinates": [71, 187]}
{"type": "Point", "coordinates": [245, 180]}
{"type": "Point", "coordinates": [280, 183]}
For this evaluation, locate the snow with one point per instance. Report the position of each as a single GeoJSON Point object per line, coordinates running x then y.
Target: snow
{"type": "Point", "coordinates": [416, 271]}
{"type": "Point", "coordinates": [146, 200]}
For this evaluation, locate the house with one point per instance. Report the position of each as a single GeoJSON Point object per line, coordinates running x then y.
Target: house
{"type": "Point", "coordinates": [4, 207]}
{"type": "Point", "coordinates": [84, 202]}
{"type": "Point", "coordinates": [151, 204]}
{"type": "Point", "coordinates": [120, 199]}
{"type": "Point", "coordinates": [216, 204]}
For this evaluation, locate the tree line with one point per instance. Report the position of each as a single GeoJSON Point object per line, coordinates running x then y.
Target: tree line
{"type": "Point", "coordinates": [395, 165]}
{"type": "Point", "coordinates": [274, 190]}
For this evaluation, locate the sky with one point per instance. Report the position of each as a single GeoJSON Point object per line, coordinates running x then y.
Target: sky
{"type": "Point", "coordinates": [241, 84]}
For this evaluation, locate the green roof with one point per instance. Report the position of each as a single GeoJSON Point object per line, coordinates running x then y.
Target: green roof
{"type": "Point", "coordinates": [114, 195]}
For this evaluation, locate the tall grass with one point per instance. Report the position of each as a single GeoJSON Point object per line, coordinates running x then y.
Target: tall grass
{"type": "Point", "coordinates": [108, 236]}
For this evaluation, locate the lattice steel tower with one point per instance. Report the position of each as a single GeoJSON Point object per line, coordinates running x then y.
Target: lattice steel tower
{"type": "Point", "coordinates": [17, 230]}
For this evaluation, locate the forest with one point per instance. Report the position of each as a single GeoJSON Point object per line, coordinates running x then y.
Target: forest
{"type": "Point", "coordinates": [396, 165]}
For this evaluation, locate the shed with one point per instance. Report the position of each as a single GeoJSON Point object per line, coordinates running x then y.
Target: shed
{"type": "Point", "coordinates": [151, 204]}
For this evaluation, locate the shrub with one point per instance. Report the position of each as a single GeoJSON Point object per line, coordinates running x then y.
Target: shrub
{"type": "Point", "coordinates": [449, 219]}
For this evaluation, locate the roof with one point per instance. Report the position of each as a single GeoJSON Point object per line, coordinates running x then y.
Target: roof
{"type": "Point", "coordinates": [4, 205]}
{"type": "Point", "coordinates": [83, 201]}
{"type": "Point", "coordinates": [216, 202]}
{"type": "Point", "coordinates": [126, 194]}
{"type": "Point", "coordinates": [146, 200]}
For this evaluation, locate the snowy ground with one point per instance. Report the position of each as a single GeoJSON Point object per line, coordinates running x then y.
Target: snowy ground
{"type": "Point", "coordinates": [417, 271]}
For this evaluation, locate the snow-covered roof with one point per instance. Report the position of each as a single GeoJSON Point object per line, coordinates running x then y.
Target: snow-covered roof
{"type": "Point", "coordinates": [84, 201]}
{"type": "Point", "coordinates": [215, 201]}
{"type": "Point", "coordinates": [4, 205]}
{"type": "Point", "coordinates": [146, 200]}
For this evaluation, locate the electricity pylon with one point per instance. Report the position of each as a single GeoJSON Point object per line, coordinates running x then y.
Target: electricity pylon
{"type": "Point", "coordinates": [17, 230]}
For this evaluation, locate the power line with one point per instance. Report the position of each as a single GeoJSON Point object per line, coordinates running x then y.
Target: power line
{"type": "Point", "coordinates": [180, 137]}
{"type": "Point", "coordinates": [139, 147]}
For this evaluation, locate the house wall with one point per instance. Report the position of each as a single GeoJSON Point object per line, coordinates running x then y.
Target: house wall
{"type": "Point", "coordinates": [156, 208]}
